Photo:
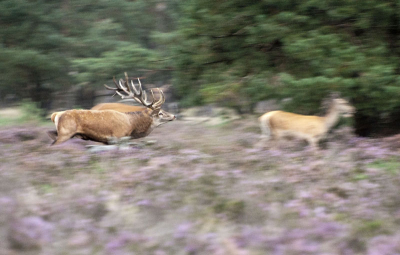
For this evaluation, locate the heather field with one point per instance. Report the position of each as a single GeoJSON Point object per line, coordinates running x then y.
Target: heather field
{"type": "Point", "coordinates": [198, 189]}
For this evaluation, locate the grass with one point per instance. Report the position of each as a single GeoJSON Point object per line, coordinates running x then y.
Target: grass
{"type": "Point", "coordinates": [371, 228]}
{"type": "Point", "coordinates": [360, 176]}
{"type": "Point", "coordinates": [390, 165]}
{"type": "Point", "coordinates": [26, 113]}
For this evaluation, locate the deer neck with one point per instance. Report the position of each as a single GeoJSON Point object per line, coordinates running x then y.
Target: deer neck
{"type": "Point", "coordinates": [332, 117]}
{"type": "Point", "coordinates": [141, 124]}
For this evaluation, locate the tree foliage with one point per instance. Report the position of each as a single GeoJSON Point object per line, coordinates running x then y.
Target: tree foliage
{"type": "Point", "coordinates": [233, 53]}
{"type": "Point", "coordinates": [239, 52]}
{"type": "Point", "coordinates": [51, 45]}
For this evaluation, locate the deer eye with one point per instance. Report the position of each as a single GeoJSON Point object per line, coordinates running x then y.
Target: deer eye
{"type": "Point", "coordinates": [160, 114]}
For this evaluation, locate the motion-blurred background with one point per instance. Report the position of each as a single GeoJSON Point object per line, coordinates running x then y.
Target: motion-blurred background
{"type": "Point", "coordinates": [58, 54]}
{"type": "Point", "coordinates": [199, 185]}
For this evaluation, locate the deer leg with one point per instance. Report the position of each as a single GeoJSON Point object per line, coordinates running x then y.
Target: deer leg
{"type": "Point", "coordinates": [52, 134]}
{"type": "Point", "coordinates": [313, 143]}
{"type": "Point", "coordinates": [265, 131]}
{"type": "Point", "coordinates": [66, 128]}
{"type": "Point", "coordinates": [62, 138]}
{"type": "Point", "coordinates": [65, 132]}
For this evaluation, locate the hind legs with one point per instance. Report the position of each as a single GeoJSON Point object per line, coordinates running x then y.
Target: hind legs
{"type": "Point", "coordinates": [265, 132]}
{"type": "Point", "coordinates": [62, 138]}
{"type": "Point", "coordinates": [52, 134]}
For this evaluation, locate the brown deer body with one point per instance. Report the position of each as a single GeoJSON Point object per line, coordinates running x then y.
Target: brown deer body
{"type": "Point", "coordinates": [103, 125]}
{"type": "Point", "coordinates": [119, 107]}
{"type": "Point", "coordinates": [278, 124]}
{"type": "Point", "coordinates": [106, 125]}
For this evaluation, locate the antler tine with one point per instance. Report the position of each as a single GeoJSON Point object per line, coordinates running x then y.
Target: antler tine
{"type": "Point", "coordinates": [161, 100]}
{"type": "Point", "coordinates": [152, 99]}
{"type": "Point", "coordinates": [143, 98]}
{"type": "Point", "coordinates": [142, 95]}
{"type": "Point", "coordinates": [121, 95]}
{"type": "Point", "coordinates": [133, 92]}
{"type": "Point", "coordinates": [125, 88]}
{"type": "Point", "coordinates": [116, 85]}
{"type": "Point", "coordinates": [107, 87]}
{"type": "Point", "coordinates": [133, 87]}
{"type": "Point", "coordinates": [126, 78]}
{"type": "Point", "coordinates": [119, 88]}
{"type": "Point", "coordinates": [162, 93]}
{"type": "Point", "coordinates": [140, 86]}
{"type": "Point", "coordinates": [130, 86]}
{"type": "Point", "coordinates": [136, 93]}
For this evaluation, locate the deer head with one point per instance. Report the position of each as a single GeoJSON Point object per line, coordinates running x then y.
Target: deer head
{"type": "Point", "coordinates": [127, 90]}
{"type": "Point", "coordinates": [343, 107]}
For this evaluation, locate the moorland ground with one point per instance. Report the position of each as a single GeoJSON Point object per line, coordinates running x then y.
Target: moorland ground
{"type": "Point", "coordinates": [192, 188]}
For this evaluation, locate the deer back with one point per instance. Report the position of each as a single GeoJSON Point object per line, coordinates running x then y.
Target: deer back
{"type": "Point", "coordinates": [295, 123]}
{"type": "Point", "coordinates": [104, 124]}
{"type": "Point", "coordinates": [120, 107]}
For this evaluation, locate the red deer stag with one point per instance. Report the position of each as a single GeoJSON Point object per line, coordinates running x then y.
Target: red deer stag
{"type": "Point", "coordinates": [119, 107]}
{"type": "Point", "coordinates": [278, 124]}
{"type": "Point", "coordinates": [107, 125]}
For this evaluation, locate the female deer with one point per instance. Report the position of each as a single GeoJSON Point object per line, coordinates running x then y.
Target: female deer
{"type": "Point", "coordinates": [277, 124]}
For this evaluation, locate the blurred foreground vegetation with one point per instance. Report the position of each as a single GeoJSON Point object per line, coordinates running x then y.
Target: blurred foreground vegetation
{"type": "Point", "coordinates": [183, 195]}
{"type": "Point", "coordinates": [26, 112]}
{"type": "Point", "coordinates": [234, 53]}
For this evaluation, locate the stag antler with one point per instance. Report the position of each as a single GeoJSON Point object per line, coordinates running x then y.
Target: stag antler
{"type": "Point", "coordinates": [131, 91]}
{"type": "Point", "coordinates": [157, 105]}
